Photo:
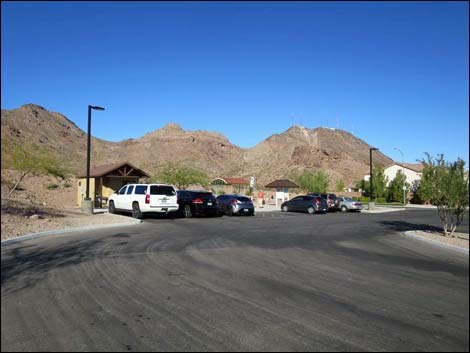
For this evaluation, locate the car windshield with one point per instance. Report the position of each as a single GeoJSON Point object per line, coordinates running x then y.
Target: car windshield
{"type": "Point", "coordinates": [348, 199]}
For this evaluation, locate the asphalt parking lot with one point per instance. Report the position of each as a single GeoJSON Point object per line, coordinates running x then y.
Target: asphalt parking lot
{"type": "Point", "coordinates": [273, 282]}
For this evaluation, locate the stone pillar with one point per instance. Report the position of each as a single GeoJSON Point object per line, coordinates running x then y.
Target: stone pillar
{"type": "Point", "coordinates": [87, 206]}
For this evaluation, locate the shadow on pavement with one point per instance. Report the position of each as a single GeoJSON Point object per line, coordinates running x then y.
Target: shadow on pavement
{"type": "Point", "coordinates": [24, 266]}
{"type": "Point", "coordinates": [402, 226]}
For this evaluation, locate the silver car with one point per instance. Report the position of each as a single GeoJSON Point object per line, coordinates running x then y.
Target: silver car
{"type": "Point", "coordinates": [235, 204]}
{"type": "Point", "coordinates": [345, 203]}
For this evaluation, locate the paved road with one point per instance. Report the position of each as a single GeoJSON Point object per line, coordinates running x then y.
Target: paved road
{"type": "Point", "coordinates": [277, 282]}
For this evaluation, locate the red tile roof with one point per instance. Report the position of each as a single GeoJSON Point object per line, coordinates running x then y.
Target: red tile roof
{"type": "Point", "coordinates": [237, 181]}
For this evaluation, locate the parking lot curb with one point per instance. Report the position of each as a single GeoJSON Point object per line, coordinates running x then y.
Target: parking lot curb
{"type": "Point", "coordinates": [65, 231]}
{"type": "Point", "coordinates": [382, 209]}
{"type": "Point", "coordinates": [412, 234]}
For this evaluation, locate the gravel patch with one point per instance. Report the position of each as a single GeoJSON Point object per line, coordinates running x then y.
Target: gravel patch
{"type": "Point", "coordinates": [17, 221]}
{"type": "Point", "coordinates": [459, 239]}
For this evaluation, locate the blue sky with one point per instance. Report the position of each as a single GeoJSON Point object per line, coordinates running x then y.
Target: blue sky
{"type": "Point", "coordinates": [395, 74]}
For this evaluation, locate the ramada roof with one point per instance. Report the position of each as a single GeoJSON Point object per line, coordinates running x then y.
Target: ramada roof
{"type": "Point", "coordinates": [103, 170]}
{"type": "Point", "coordinates": [282, 183]}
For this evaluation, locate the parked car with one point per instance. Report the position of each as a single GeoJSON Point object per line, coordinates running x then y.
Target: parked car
{"type": "Point", "coordinates": [305, 203]}
{"type": "Point", "coordinates": [193, 202]}
{"type": "Point", "coordinates": [345, 203]}
{"type": "Point", "coordinates": [330, 200]}
{"type": "Point", "coordinates": [232, 204]}
{"type": "Point", "coordinates": [143, 198]}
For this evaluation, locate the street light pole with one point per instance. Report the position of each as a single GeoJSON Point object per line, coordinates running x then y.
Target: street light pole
{"type": "Point", "coordinates": [404, 178]}
{"type": "Point", "coordinates": [87, 205]}
{"type": "Point", "coordinates": [371, 200]}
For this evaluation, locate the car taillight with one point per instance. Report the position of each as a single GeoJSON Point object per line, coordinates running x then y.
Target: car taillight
{"type": "Point", "coordinates": [197, 201]}
{"type": "Point", "coordinates": [317, 201]}
{"type": "Point", "coordinates": [147, 198]}
{"type": "Point", "coordinates": [216, 201]}
{"type": "Point", "coordinates": [234, 201]}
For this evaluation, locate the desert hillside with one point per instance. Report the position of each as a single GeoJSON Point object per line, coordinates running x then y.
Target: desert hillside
{"type": "Point", "coordinates": [337, 152]}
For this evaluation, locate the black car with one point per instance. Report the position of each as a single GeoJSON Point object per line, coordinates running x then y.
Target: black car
{"type": "Point", "coordinates": [329, 198]}
{"type": "Point", "coordinates": [331, 201]}
{"type": "Point", "coordinates": [194, 202]}
{"type": "Point", "coordinates": [305, 203]}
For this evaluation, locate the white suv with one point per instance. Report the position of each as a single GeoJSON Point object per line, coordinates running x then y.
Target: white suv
{"type": "Point", "coordinates": [142, 198]}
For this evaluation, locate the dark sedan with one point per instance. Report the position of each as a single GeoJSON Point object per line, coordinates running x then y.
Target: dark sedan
{"type": "Point", "coordinates": [305, 203]}
{"type": "Point", "coordinates": [193, 202]}
{"type": "Point", "coordinates": [236, 204]}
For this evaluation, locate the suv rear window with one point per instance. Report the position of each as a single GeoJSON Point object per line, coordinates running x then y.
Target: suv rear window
{"type": "Point", "coordinates": [162, 190]}
{"type": "Point", "coordinates": [140, 189]}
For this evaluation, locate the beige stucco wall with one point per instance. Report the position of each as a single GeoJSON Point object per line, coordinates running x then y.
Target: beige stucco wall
{"type": "Point", "coordinates": [109, 186]}
{"type": "Point", "coordinates": [81, 190]}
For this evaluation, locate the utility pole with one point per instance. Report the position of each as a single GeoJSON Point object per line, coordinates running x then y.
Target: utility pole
{"type": "Point", "coordinates": [87, 203]}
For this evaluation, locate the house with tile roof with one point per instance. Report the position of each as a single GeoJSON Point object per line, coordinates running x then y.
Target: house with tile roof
{"type": "Point", "coordinates": [230, 185]}
{"type": "Point", "coordinates": [413, 172]}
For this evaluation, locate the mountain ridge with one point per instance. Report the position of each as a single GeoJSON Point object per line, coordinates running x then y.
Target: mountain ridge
{"type": "Point", "coordinates": [335, 151]}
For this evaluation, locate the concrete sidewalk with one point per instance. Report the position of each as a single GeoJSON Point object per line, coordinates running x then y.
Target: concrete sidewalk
{"type": "Point", "coordinates": [268, 208]}
{"type": "Point", "coordinates": [382, 209]}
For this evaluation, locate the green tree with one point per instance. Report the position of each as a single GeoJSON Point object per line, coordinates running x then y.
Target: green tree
{"type": "Point", "coordinates": [379, 183]}
{"type": "Point", "coordinates": [360, 184]}
{"type": "Point", "coordinates": [395, 188]}
{"type": "Point", "coordinates": [30, 159]}
{"type": "Point", "coordinates": [446, 185]}
{"type": "Point", "coordinates": [340, 185]}
{"type": "Point", "coordinates": [424, 193]}
{"type": "Point", "coordinates": [312, 181]}
{"type": "Point", "coordinates": [180, 174]}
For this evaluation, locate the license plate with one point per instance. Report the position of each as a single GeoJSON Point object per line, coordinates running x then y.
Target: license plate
{"type": "Point", "coordinates": [209, 204]}
{"type": "Point", "coordinates": [163, 201]}
{"type": "Point", "coordinates": [246, 210]}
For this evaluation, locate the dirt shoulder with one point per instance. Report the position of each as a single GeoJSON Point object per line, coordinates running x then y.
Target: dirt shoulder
{"type": "Point", "coordinates": [459, 239]}
{"type": "Point", "coordinates": [18, 220]}
{"type": "Point", "coordinates": [36, 208]}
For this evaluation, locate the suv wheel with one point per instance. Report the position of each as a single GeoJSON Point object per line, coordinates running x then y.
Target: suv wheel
{"type": "Point", "coordinates": [344, 208]}
{"type": "Point", "coordinates": [285, 208]}
{"type": "Point", "coordinates": [187, 213]}
{"type": "Point", "coordinates": [311, 210]}
{"type": "Point", "coordinates": [136, 213]}
{"type": "Point", "coordinates": [111, 208]}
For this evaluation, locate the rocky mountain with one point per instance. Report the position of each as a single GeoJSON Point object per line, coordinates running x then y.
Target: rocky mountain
{"type": "Point", "coordinates": [337, 152]}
